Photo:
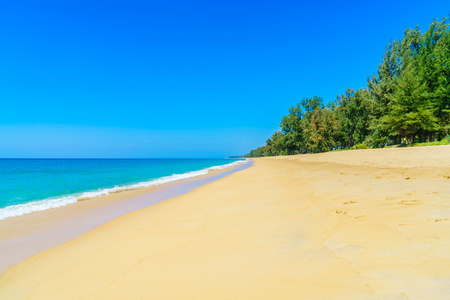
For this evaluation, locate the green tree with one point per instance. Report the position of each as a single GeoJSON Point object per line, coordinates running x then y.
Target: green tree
{"type": "Point", "coordinates": [352, 111]}
{"type": "Point", "coordinates": [291, 127]}
{"type": "Point", "coordinates": [434, 63]}
{"type": "Point", "coordinates": [322, 130]}
{"type": "Point", "coordinates": [278, 144]}
{"type": "Point", "coordinates": [411, 111]}
{"type": "Point", "coordinates": [310, 106]}
{"type": "Point", "coordinates": [380, 86]}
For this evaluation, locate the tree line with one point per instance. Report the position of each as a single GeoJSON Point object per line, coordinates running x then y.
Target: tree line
{"type": "Point", "coordinates": [406, 101]}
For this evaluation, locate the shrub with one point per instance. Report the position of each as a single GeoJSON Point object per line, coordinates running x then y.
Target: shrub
{"type": "Point", "coordinates": [361, 146]}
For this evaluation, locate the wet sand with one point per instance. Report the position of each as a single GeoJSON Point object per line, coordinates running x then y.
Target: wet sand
{"type": "Point", "coordinates": [26, 235]}
{"type": "Point", "coordinates": [362, 224]}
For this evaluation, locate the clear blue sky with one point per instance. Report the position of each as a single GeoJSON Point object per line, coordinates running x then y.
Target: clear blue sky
{"type": "Point", "coordinates": [180, 78]}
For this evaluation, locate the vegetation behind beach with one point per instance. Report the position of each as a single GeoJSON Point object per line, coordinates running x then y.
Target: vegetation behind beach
{"type": "Point", "coordinates": [406, 101]}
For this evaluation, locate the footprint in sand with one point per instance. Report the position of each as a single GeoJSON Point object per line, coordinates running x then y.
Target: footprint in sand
{"type": "Point", "coordinates": [350, 202]}
{"type": "Point", "coordinates": [411, 202]}
{"type": "Point", "coordinates": [341, 212]}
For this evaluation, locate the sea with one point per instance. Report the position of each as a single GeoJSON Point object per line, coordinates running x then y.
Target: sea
{"type": "Point", "coordinates": [28, 185]}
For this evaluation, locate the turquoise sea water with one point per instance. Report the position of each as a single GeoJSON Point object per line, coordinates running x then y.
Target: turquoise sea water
{"type": "Point", "coordinates": [28, 185]}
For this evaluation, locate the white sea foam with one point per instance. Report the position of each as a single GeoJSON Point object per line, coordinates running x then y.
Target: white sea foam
{"type": "Point", "coordinates": [26, 208]}
{"type": "Point", "coordinates": [40, 205]}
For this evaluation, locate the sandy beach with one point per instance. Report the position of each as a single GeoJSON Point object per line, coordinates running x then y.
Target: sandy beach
{"type": "Point", "coordinates": [360, 224]}
{"type": "Point", "coordinates": [23, 236]}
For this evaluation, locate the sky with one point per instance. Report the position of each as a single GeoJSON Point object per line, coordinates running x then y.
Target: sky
{"type": "Point", "coordinates": [173, 79]}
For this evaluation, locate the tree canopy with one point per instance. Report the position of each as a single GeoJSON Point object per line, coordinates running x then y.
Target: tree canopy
{"type": "Point", "coordinates": [406, 100]}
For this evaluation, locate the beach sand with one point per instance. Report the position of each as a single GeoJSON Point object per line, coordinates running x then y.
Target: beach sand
{"type": "Point", "coordinates": [23, 236]}
{"type": "Point", "coordinates": [361, 224]}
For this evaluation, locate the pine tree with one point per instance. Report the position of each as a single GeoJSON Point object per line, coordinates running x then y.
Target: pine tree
{"type": "Point", "coordinates": [410, 108]}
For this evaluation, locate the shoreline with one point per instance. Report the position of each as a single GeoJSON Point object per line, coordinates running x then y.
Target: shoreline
{"type": "Point", "coordinates": [26, 235]}
{"type": "Point", "coordinates": [20, 209]}
{"type": "Point", "coordinates": [366, 224]}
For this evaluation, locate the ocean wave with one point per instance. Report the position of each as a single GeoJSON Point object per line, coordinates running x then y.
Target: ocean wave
{"type": "Point", "coordinates": [40, 205]}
